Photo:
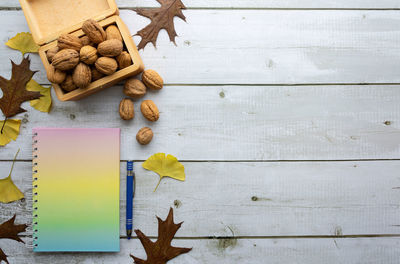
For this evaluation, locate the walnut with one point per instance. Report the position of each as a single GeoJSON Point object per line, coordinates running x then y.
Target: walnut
{"type": "Point", "coordinates": [126, 109]}
{"type": "Point", "coordinates": [55, 76]}
{"type": "Point", "coordinates": [112, 32]}
{"type": "Point", "coordinates": [86, 41]}
{"type": "Point", "coordinates": [82, 75]}
{"type": "Point", "coordinates": [106, 65]}
{"type": "Point", "coordinates": [66, 59]}
{"type": "Point", "coordinates": [144, 136]}
{"type": "Point", "coordinates": [110, 48]}
{"type": "Point", "coordinates": [124, 60]}
{"type": "Point", "coordinates": [68, 85]}
{"type": "Point", "coordinates": [150, 110]}
{"type": "Point", "coordinates": [152, 80]}
{"type": "Point", "coordinates": [96, 75]}
{"type": "Point", "coordinates": [51, 53]}
{"type": "Point", "coordinates": [94, 31]}
{"type": "Point", "coordinates": [134, 88]}
{"type": "Point", "coordinates": [88, 54]}
{"type": "Point", "coordinates": [68, 41]}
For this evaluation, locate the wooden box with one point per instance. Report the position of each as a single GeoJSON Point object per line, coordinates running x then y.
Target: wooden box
{"type": "Point", "coordinates": [48, 19]}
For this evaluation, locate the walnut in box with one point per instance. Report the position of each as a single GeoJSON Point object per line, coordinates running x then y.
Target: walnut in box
{"type": "Point", "coordinates": [48, 19]}
{"type": "Point", "coordinates": [106, 81]}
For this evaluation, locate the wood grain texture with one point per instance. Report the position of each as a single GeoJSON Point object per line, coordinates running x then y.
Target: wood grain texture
{"type": "Point", "coordinates": [271, 4]}
{"type": "Point", "coordinates": [227, 251]}
{"type": "Point", "coordinates": [241, 123]}
{"type": "Point", "coordinates": [260, 47]}
{"type": "Point", "coordinates": [246, 122]}
{"type": "Point", "coordinates": [257, 199]}
{"type": "Point", "coordinates": [337, 4]}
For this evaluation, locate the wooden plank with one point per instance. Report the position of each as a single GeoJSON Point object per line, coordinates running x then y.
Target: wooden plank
{"type": "Point", "coordinates": [272, 4]}
{"type": "Point", "coordinates": [261, 47]}
{"type": "Point", "coordinates": [307, 251]}
{"type": "Point", "coordinates": [337, 4]}
{"type": "Point", "coordinates": [241, 123]}
{"type": "Point", "coordinates": [257, 199]}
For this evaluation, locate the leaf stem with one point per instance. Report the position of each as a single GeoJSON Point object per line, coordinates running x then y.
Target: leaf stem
{"type": "Point", "coordinates": [4, 123]}
{"type": "Point", "coordinates": [157, 184]}
{"type": "Point", "coordinates": [15, 158]}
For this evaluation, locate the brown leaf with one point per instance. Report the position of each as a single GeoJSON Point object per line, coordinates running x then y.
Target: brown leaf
{"type": "Point", "coordinates": [161, 251]}
{"type": "Point", "coordinates": [9, 230]}
{"type": "Point", "coordinates": [3, 257]}
{"type": "Point", "coordinates": [161, 18]}
{"type": "Point", "coordinates": [14, 90]}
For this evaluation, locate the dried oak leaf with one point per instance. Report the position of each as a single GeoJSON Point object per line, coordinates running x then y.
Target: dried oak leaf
{"type": "Point", "coordinates": [11, 231]}
{"type": "Point", "coordinates": [161, 18]}
{"type": "Point", "coordinates": [14, 90]}
{"type": "Point", "coordinates": [3, 257]}
{"type": "Point", "coordinates": [161, 251]}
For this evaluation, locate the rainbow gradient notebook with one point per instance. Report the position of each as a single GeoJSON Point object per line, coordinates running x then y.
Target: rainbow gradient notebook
{"type": "Point", "coordinates": [76, 189]}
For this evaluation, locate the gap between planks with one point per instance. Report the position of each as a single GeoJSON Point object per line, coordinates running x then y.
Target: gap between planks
{"type": "Point", "coordinates": [243, 161]}
{"type": "Point", "coordinates": [264, 237]}
{"type": "Point", "coordinates": [268, 84]}
{"type": "Point", "coordinates": [5, 8]}
{"type": "Point", "coordinates": [275, 8]}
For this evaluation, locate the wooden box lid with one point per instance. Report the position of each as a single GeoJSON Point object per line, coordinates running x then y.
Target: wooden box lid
{"type": "Point", "coordinates": [48, 19]}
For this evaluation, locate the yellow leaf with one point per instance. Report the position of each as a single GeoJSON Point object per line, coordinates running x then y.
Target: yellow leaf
{"type": "Point", "coordinates": [10, 131]}
{"type": "Point", "coordinates": [44, 103]}
{"type": "Point", "coordinates": [24, 43]}
{"type": "Point", "coordinates": [165, 166]}
{"type": "Point", "coordinates": [8, 191]}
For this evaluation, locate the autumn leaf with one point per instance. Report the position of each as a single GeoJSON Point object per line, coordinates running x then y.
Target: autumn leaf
{"type": "Point", "coordinates": [44, 103]}
{"type": "Point", "coordinates": [3, 257]}
{"type": "Point", "coordinates": [165, 166]}
{"type": "Point", "coordinates": [10, 131]}
{"type": "Point", "coordinates": [11, 231]}
{"type": "Point", "coordinates": [14, 90]}
{"type": "Point", "coordinates": [161, 18]}
{"type": "Point", "coordinates": [23, 42]}
{"type": "Point", "coordinates": [8, 191]}
{"type": "Point", "coordinates": [161, 251]}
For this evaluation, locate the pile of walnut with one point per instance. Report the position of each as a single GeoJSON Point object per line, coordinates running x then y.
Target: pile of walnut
{"type": "Point", "coordinates": [77, 62]}
{"type": "Point", "coordinates": [136, 89]}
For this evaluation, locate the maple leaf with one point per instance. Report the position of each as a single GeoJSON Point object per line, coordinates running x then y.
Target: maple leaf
{"type": "Point", "coordinates": [161, 251]}
{"type": "Point", "coordinates": [161, 18]}
{"type": "Point", "coordinates": [11, 231]}
{"type": "Point", "coordinates": [14, 90]}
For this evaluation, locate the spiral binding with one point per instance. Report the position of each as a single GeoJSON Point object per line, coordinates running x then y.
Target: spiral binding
{"type": "Point", "coordinates": [35, 190]}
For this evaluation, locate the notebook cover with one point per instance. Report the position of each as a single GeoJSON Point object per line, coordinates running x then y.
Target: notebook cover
{"type": "Point", "coordinates": [76, 189]}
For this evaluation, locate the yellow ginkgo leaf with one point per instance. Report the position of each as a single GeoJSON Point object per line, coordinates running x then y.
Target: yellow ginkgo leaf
{"type": "Point", "coordinates": [44, 103]}
{"type": "Point", "coordinates": [10, 131]}
{"type": "Point", "coordinates": [8, 191]}
{"type": "Point", "coordinates": [24, 43]}
{"type": "Point", "coordinates": [165, 166]}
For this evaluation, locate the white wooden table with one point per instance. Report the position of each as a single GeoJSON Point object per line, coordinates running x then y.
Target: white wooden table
{"type": "Point", "coordinates": [286, 115]}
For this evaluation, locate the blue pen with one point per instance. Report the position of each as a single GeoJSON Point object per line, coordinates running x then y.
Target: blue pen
{"type": "Point", "coordinates": [130, 193]}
